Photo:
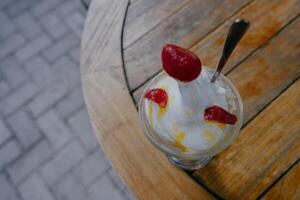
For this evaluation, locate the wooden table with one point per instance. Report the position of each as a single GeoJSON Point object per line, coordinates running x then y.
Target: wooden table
{"type": "Point", "coordinates": [120, 52]}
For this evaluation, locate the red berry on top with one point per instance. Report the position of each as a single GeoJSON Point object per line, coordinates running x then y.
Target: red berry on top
{"type": "Point", "coordinates": [157, 95]}
{"type": "Point", "coordinates": [180, 63]}
{"type": "Point", "coordinates": [218, 114]}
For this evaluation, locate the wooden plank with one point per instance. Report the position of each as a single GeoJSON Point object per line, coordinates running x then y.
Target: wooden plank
{"type": "Point", "coordinates": [144, 15]}
{"type": "Point", "coordinates": [265, 148]}
{"type": "Point", "coordinates": [261, 78]}
{"type": "Point", "coordinates": [288, 188]}
{"type": "Point", "coordinates": [101, 42]}
{"type": "Point", "coordinates": [263, 26]}
{"type": "Point", "coordinates": [146, 171]}
{"type": "Point", "coordinates": [269, 70]}
{"type": "Point", "coordinates": [142, 59]}
{"type": "Point", "coordinates": [266, 17]}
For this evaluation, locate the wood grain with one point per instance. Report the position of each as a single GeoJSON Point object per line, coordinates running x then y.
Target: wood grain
{"type": "Point", "coordinates": [265, 74]}
{"type": "Point", "coordinates": [265, 148]}
{"type": "Point", "coordinates": [113, 116]}
{"type": "Point", "coordinates": [144, 15]}
{"type": "Point", "coordinates": [101, 41]}
{"type": "Point", "coordinates": [264, 24]}
{"type": "Point", "coordinates": [146, 171]}
{"type": "Point", "coordinates": [288, 188]}
{"type": "Point", "coordinates": [142, 59]}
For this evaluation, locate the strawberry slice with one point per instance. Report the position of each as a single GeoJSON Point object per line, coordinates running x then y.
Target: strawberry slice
{"type": "Point", "coordinates": [218, 114]}
{"type": "Point", "coordinates": [180, 63]}
{"type": "Point", "coordinates": [157, 95]}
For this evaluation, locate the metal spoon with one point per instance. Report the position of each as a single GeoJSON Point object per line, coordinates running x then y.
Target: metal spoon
{"type": "Point", "coordinates": [235, 34]}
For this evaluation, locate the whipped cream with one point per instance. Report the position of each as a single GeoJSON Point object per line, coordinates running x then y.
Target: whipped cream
{"type": "Point", "coordinates": [182, 121]}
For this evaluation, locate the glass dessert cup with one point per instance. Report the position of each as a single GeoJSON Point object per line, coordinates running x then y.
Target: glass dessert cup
{"type": "Point", "coordinates": [194, 159]}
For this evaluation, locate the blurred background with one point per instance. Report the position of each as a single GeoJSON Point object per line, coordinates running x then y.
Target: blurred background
{"type": "Point", "coordinates": [47, 147]}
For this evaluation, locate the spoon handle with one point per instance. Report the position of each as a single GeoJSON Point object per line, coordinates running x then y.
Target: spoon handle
{"type": "Point", "coordinates": [235, 34]}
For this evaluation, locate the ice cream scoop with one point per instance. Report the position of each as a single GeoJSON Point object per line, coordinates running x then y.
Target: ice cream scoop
{"type": "Point", "coordinates": [175, 106]}
{"type": "Point", "coordinates": [182, 119]}
{"type": "Point", "coordinates": [185, 115]}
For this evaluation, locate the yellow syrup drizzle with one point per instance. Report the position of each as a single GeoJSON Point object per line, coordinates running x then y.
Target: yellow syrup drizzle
{"type": "Point", "coordinates": [179, 137]}
{"type": "Point", "coordinates": [210, 136]}
{"type": "Point", "coordinates": [161, 112]}
{"type": "Point", "coordinates": [222, 126]}
{"type": "Point", "coordinates": [150, 112]}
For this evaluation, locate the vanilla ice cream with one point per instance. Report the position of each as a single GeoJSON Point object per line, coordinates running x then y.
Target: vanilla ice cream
{"type": "Point", "coordinates": [182, 120]}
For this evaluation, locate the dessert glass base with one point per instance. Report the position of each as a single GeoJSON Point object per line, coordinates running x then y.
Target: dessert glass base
{"type": "Point", "coordinates": [194, 159]}
{"type": "Point", "coordinates": [189, 164]}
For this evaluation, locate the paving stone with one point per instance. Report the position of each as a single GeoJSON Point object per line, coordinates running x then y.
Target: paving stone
{"type": "Point", "coordinates": [47, 98]}
{"type": "Point", "coordinates": [7, 27]}
{"type": "Point", "coordinates": [82, 10]}
{"type": "Point", "coordinates": [40, 71]}
{"type": "Point", "coordinates": [4, 3]}
{"type": "Point", "coordinates": [81, 126]}
{"type": "Point", "coordinates": [64, 161]}
{"type": "Point", "coordinates": [24, 128]}
{"type": "Point", "coordinates": [10, 44]}
{"type": "Point", "coordinates": [7, 190]}
{"type": "Point", "coordinates": [54, 25]}
{"type": "Point", "coordinates": [116, 180]}
{"type": "Point", "coordinates": [18, 7]}
{"type": "Point", "coordinates": [13, 72]}
{"type": "Point", "coordinates": [8, 152]}
{"type": "Point", "coordinates": [65, 44]}
{"type": "Point", "coordinates": [75, 55]}
{"type": "Point", "coordinates": [68, 71]}
{"type": "Point", "coordinates": [34, 188]}
{"type": "Point", "coordinates": [76, 22]}
{"type": "Point", "coordinates": [54, 129]}
{"type": "Point", "coordinates": [105, 189]}
{"type": "Point", "coordinates": [30, 162]}
{"type": "Point", "coordinates": [19, 97]}
{"type": "Point", "coordinates": [4, 132]}
{"type": "Point", "coordinates": [28, 25]}
{"type": "Point", "coordinates": [35, 136]}
{"type": "Point", "coordinates": [129, 195]}
{"type": "Point", "coordinates": [4, 89]}
{"type": "Point", "coordinates": [92, 167]}
{"type": "Point", "coordinates": [32, 48]}
{"type": "Point", "coordinates": [67, 7]}
{"type": "Point", "coordinates": [41, 8]}
{"type": "Point", "coordinates": [70, 104]}
{"type": "Point", "coordinates": [88, 2]}
{"type": "Point", "coordinates": [70, 188]}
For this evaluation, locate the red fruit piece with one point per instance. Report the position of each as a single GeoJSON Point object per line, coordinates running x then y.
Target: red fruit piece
{"type": "Point", "coordinates": [218, 114]}
{"type": "Point", "coordinates": [180, 63]}
{"type": "Point", "coordinates": [157, 95]}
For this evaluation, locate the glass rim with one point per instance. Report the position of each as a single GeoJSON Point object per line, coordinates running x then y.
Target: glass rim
{"type": "Point", "coordinates": [143, 121]}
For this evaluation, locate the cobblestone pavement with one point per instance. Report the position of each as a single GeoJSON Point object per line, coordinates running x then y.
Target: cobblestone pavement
{"type": "Point", "coordinates": [47, 148]}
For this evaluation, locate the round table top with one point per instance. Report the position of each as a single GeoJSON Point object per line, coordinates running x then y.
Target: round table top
{"type": "Point", "coordinates": [120, 52]}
